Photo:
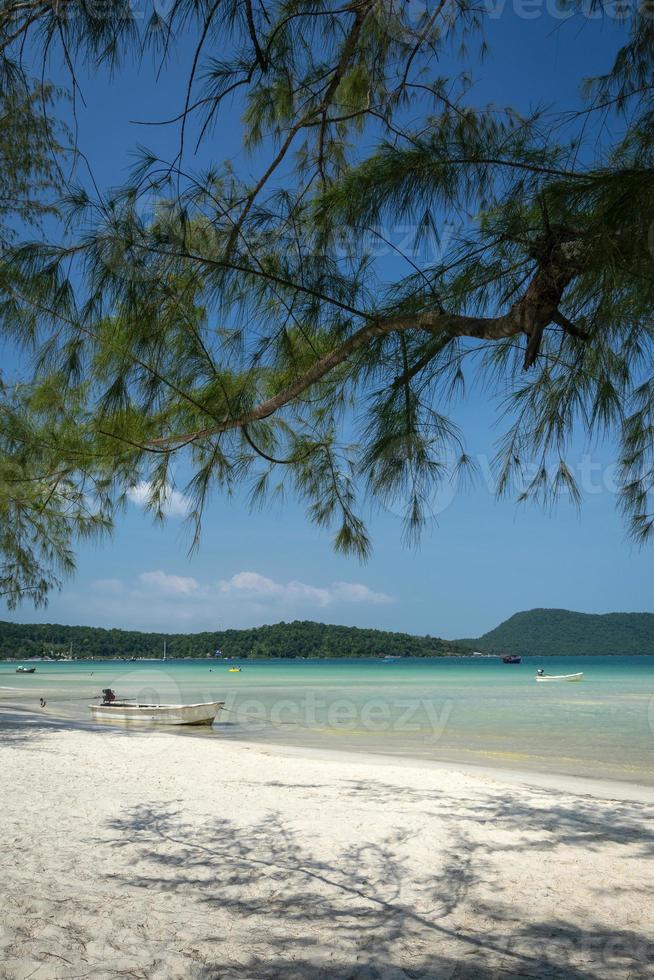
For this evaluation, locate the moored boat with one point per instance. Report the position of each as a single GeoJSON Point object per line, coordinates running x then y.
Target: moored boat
{"type": "Point", "coordinates": [559, 677]}
{"type": "Point", "coordinates": [128, 712]}
{"type": "Point", "coordinates": [26, 670]}
{"type": "Point", "coordinates": [511, 659]}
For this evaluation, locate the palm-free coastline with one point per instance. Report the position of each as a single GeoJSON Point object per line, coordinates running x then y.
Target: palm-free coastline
{"type": "Point", "coordinates": [470, 712]}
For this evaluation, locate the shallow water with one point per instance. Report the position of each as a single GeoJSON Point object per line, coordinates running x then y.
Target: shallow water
{"type": "Point", "coordinates": [477, 711]}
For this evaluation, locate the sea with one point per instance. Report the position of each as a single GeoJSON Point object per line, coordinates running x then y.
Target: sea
{"type": "Point", "coordinates": [476, 710]}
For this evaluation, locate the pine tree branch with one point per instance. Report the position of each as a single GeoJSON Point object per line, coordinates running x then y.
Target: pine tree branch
{"type": "Point", "coordinates": [361, 11]}
{"type": "Point", "coordinates": [261, 59]}
{"type": "Point", "coordinates": [530, 315]}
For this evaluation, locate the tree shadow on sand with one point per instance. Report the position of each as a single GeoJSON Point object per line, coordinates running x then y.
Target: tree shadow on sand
{"type": "Point", "coordinates": [364, 913]}
{"type": "Point", "coordinates": [23, 726]}
{"type": "Point", "coordinates": [556, 818]}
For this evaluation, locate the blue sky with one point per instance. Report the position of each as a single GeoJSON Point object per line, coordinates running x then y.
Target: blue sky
{"type": "Point", "coordinates": [479, 562]}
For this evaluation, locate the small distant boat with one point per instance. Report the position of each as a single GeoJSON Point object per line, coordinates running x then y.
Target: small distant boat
{"type": "Point", "coordinates": [233, 670]}
{"type": "Point", "coordinates": [511, 659]}
{"type": "Point", "coordinates": [559, 677]}
{"type": "Point", "coordinates": [112, 710]}
{"type": "Point", "coordinates": [390, 659]}
{"type": "Point", "coordinates": [25, 670]}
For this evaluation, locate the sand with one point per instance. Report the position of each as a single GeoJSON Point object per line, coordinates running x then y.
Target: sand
{"type": "Point", "coordinates": [165, 856]}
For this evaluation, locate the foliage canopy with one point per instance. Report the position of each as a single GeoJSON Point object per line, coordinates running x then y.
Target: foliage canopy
{"type": "Point", "coordinates": [243, 329]}
{"type": "Point", "coordinates": [281, 640]}
{"type": "Point", "coordinates": [561, 632]}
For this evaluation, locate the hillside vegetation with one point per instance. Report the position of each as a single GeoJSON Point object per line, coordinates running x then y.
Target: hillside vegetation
{"type": "Point", "coordinates": [546, 632]}
{"type": "Point", "coordinates": [541, 632]}
{"type": "Point", "coordinates": [297, 639]}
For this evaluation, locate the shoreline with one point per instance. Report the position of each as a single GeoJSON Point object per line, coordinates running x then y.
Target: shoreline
{"type": "Point", "coordinates": [208, 658]}
{"type": "Point", "coordinates": [604, 788]}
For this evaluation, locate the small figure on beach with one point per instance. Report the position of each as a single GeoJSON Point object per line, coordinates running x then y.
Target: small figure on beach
{"type": "Point", "coordinates": [43, 703]}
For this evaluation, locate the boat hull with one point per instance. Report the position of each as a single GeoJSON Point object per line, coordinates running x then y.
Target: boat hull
{"type": "Point", "coordinates": [157, 714]}
{"type": "Point", "coordinates": [561, 677]}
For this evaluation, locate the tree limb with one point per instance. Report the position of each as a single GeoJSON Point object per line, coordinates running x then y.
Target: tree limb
{"type": "Point", "coordinates": [530, 315]}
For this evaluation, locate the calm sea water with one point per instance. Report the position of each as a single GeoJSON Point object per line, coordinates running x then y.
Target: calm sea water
{"type": "Point", "coordinates": [477, 711]}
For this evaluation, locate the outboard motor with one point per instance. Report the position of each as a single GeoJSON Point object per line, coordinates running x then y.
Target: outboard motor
{"type": "Point", "coordinates": [108, 695]}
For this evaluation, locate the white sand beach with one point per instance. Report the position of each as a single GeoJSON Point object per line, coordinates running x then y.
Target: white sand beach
{"type": "Point", "coordinates": [165, 856]}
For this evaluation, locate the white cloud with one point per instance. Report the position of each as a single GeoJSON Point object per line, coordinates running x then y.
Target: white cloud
{"type": "Point", "coordinates": [355, 592]}
{"type": "Point", "coordinates": [252, 585]}
{"type": "Point", "coordinates": [244, 593]}
{"type": "Point", "coordinates": [250, 582]}
{"type": "Point", "coordinates": [172, 585]}
{"type": "Point", "coordinates": [175, 503]}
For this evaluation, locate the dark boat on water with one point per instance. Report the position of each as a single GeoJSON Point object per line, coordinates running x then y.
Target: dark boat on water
{"type": "Point", "coordinates": [511, 659]}
{"type": "Point", "coordinates": [26, 670]}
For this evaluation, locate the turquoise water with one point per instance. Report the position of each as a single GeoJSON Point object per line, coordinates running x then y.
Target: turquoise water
{"type": "Point", "coordinates": [477, 711]}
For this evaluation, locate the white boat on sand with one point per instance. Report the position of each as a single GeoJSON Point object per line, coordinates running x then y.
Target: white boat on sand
{"type": "Point", "coordinates": [130, 712]}
{"type": "Point", "coordinates": [559, 677]}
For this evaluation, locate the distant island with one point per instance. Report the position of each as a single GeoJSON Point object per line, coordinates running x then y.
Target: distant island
{"type": "Point", "coordinates": [547, 632]}
{"type": "Point", "coordinates": [283, 640]}
{"type": "Point", "coordinates": [540, 632]}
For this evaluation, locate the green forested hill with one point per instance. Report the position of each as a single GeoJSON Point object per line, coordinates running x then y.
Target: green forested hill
{"type": "Point", "coordinates": [297, 639]}
{"type": "Point", "coordinates": [545, 632]}
{"type": "Point", "coordinates": [542, 632]}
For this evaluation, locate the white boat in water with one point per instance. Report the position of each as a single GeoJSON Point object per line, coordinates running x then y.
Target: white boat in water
{"type": "Point", "coordinates": [559, 677]}
{"type": "Point", "coordinates": [128, 712]}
